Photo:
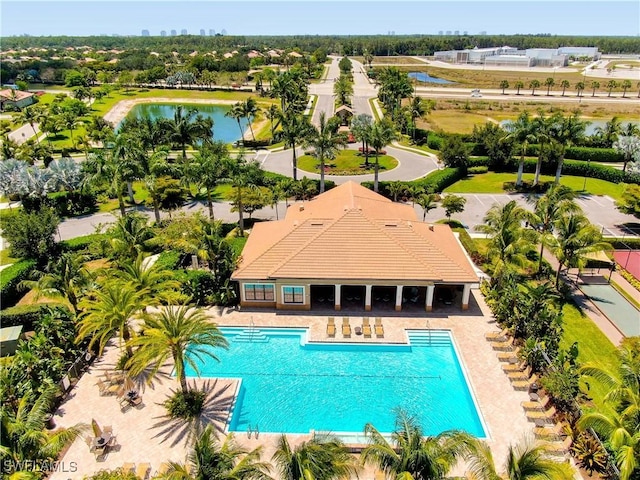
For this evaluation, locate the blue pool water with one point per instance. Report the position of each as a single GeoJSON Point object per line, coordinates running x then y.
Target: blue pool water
{"type": "Point", "coordinates": [290, 386]}
{"type": "Point", "coordinates": [224, 128]}
{"type": "Point", "coordinates": [426, 78]}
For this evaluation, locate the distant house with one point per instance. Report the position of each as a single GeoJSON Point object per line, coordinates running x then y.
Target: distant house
{"type": "Point", "coordinates": [351, 248]}
{"type": "Point", "coordinates": [16, 98]}
{"type": "Point", "coordinates": [345, 113]}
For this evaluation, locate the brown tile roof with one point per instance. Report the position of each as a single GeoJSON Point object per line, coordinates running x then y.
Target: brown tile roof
{"type": "Point", "coordinates": [353, 233]}
{"type": "Point", "coordinates": [8, 94]}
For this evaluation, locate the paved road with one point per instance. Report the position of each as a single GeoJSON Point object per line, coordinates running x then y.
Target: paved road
{"type": "Point", "coordinates": [23, 133]}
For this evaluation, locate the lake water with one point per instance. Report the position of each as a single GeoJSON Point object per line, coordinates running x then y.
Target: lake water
{"type": "Point", "coordinates": [224, 128]}
{"type": "Point", "coordinates": [591, 126]}
{"type": "Point", "coordinates": [426, 78]}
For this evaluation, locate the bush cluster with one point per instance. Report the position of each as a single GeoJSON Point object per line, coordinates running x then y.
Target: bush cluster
{"type": "Point", "coordinates": [26, 315]}
{"type": "Point", "coordinates": [10, 278]}
{"type": "Point", "coordinates": [434, 182]}
{"type": "Point", "coordinates": [185, 405]}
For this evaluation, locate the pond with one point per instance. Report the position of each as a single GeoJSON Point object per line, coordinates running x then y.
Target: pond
{"type": "Point", "coordinates": [426, 78]}
{"type": "Point", "coordinates": [224, 128]}
{"type": "Point", "coordinates": [592, 125]}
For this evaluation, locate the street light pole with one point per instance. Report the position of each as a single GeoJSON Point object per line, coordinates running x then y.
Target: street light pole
{"type": "Point", "coordinates": [584, 185]}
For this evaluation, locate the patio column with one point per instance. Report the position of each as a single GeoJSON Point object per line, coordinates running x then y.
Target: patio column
{"type": "Point", "coordinates": [465, 296]}
{"type": "Point", "coordinates": [398, 298]}
{"type": "Point", "coordinates": [338, 289]}
{"type": "Point", "coordinates": [367, 298]}
{"type": "Point", "coordinates": [429, 303]}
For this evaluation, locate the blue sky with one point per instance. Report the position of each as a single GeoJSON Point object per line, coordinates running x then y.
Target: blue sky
{"type": "Point", "coordinates": [263, 17]}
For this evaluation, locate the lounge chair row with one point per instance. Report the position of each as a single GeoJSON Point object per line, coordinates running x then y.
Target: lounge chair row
{"type": "Point", "coordinates": [364, 330]}
{"type": "Point", "coordinates": [142, 471]}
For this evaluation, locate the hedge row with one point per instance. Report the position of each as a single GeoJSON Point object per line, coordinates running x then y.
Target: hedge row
{"type": "Point", "coordinates": [26, 315]}
{"type": "Point", "coordinates": [169, 259]}
{"type": "Point", "coordinates": [81, 243]}
{"type": "Point", "coordinates": [627, 243]}
{"type": "Point", "coordinates": [587, 154]}
{"type": "Point", "coordinates": [10, 277]}
{"type": "Point", "coordinates": [65, 204]}
{"type": "Point", "coordinates": [436, 181]}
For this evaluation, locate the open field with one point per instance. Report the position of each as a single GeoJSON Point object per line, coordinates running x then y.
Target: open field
{"type": "Point", "coordinates": [391, 60]}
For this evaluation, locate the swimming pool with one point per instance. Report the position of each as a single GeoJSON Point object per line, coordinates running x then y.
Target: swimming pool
{"type": "Point", "coordinates": [292, 386]}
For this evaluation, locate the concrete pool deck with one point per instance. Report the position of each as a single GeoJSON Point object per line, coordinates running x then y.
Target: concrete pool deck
{"type": "Point", "coordinates": [140, 442]}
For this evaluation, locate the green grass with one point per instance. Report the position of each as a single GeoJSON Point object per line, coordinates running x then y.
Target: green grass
{"type": "Point", "coordinates": [492, 183]}
{"type": "Point", "coordinates": [593, 347]}
{"type": "Point", "coordinates": [347, 163]}
{"type": "Point", "coordinates": [406, 142]}
{"type": "Point", "coordinates": [5, 258]}
{"type": "Point", "coordinates": [624, 293]}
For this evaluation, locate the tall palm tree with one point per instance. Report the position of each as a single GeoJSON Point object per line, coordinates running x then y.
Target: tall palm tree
{"type": "Point", "coordinates": [110, 310]}
{"type": "Point", "coordinates": [343, 89]}
{"type": "Point", "coordinates": [411, 454]}
{"type": "Point", "coordinates": [565, 132]}
{"type": "Point", "coordinates": [315, 459]}
{"type": "Point", "coordinates": [542, 130]}
{"type": "Point", "coordinates": [29, 115]}
{"type": "Point", "coordinates": [418, 109]}
{"type": "Point", "coordinates": [237, 113]}
{"type": "Point", "coordinates": [533, 84]}
{"type": "Point", "coordinates": [153, 166]}
{"type": "Point", "coordinates": [325, 142]}
{"type": "Point", "coordinates": [580, 88]}
{"type": "Point", "coordinates": [273, 113]}
{"type": "Point", "coordinates": [509, 242]}
{"type": "Point", "coordinates": [575, 238]}
{"type": "Point", "coordinates": [564, 84]}
{"type": "Point", "coordinates": [594, 85]}
{"type": "Point", "coordinates": [428, 202]}
{"type": "Point", "coordinates": [522, 132]}
{"type": "Point", "coordinates": [549, 82]}
{"type": "Point", "coordinates": [250, 109]}
{"type": "Point", "coordinates": [295, 127]}
{"type": "Point", "coordinates": [382, 134]}
{"type": "Point", "coordinates": [361, 129]}
{"type": "Point", "coordinates": [25, 440]}
{"type": "Point", "coordinates": [181, 333]}
{"type": "Point", "coordinates": [548, 209]}
{"type": "Point", "coordinates": [66, 277]}
{"type": "Point", "coordinates": [188, 127]}
{"type": "Point", "coordinates": [242, 175]}
{"type": "Point", "coordinates": [207, 168]}
{"type": "Point", "coordinates": [524, 462]}
{"type": "Point", "coordinates": [519, 85]}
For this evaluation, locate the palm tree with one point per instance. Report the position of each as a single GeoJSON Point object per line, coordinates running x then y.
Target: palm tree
{"type": "Point", "coordinates": [396, 188]}
{"type": "Point", "coordinates": [549, 82]}
{"type": "Point", "coordinates": [66, 277]}
{"type": "Point", "coordinates": [273, 113]}
{"type": "Point", "coordinates": [315, 459]}
{"type": "Point", "coordinates": [522, 131]}
{"type": "Point", "coordinates": [566, 131]}
{"type": "Point", "coordinates": [237, 112]}
{"type": "Point", "coordinates": [542, 128]}
{"type": "Point", "coordinates": [580, 87]}
{"type": "Point", "coordinates": [368, 58]}
{"type": "Point", "coordinates": [622, 425]}
{"type": "Point", "coordinates": [504, 84]}
{"type": "Point", "coordinates": [411, 454]}
{"type": "Point", "coordinates": [212, 460]}
{"type": "Point", "coordinates": [325, 142]}
{"type": "Point", "coordinates": [519, 84]}
{"type": "Point", "coordinates": [129, 236]}
{"type": "Point", "coordinates": [187, 127]}
{"type": "Point", "coordinates": [548, 209]}
{"type": "Point", "coordinates": [250, 110]}
{"type": "Point", "coordinates": [564, 84]}
{"type": "Point", "coordinates": [70, 122]}
{"type": "Point", "coordinates": [155, 284]}
{"type": "Point", "coordinates": [629, 147]}
{"type": "Point", "coordinates": [509, 242]}
{"type": "Point", "coordinates": [610, 131]}
{"type": "Point", "coordinates": [361, 129]}
{"type": "Point", "coordinates": [153, 166]}
{"type": "Point", "coordinates": [181, 333]}
{"type": "Point", "coordinates": [29, 115]}
{"type": "Point", "coordinates": [594, 85]}
{"type": "Point", "coordinates": [418, 109]}
{"type": "Point", "coordinates": [382, 134]}
{"type": "Point", "coordinates": [575, 238]}
{"type": "Point", "coordinates": [343, 89]}
{"type": "Point", "coordinates": [207, 168]}
{"type": "Point", "coordinates": [24, 437]}
{"type": "Point", "coordinates": [611, 84]}
{"type": "Point", "coordinates": [626, 85]}
{"type": "Point", "coordinates": [428, 202]}
{"type": "Point", "coordinates": [524, 462]}
{"type": "Point", "coordinates": [108, 311]}
{"type": "Point", "coordinates": [295, 127]}
{"type": "Point", "coordinates": [533, 84]}
{"type": "Point", "coordinates": [242, 175]}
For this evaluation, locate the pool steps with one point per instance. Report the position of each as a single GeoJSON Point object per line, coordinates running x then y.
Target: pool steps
{"type": "Point", "coordinates": [251, 335]}
{"type": "Point", "coordinates": [429, 337]}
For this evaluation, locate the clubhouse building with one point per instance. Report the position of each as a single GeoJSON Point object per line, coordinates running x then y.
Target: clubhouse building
{"type": "Point", "coordinates": [351, 248]}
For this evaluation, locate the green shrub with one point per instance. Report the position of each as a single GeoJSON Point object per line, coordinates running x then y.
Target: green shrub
{"type": "Point", "coordinates": [583, 169]}
{"type": "Point", "coordinates": [169, 259]}
{"type": "Point", "coordinates": [527, 187]}
{"type": "Point", "coordinates": [434, 142]}
{"type": "Point", "coordinates": [10, 277]}
{"type": "Point", "coordinates": [26, 315]}
{"type": "Point", "coordinates": [200, 285]}
{"type": "Point", "coordinates": [185, 405]}
{"type": "Point", "coordinates": [587, 154]}
{"type": "Point", "coordinates": [435, 182]}
{"type": "Point", "coordinates": [479, 162]}
{"type": "Point", "coordinates": [81, 243]}
{"type": "Point", "coordinates": [479, 169]}
{"type": "Point", "coordinates": [627, 243]}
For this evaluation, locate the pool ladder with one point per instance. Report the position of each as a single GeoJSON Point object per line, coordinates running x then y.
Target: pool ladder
{"type": "Point", "coordinates": [256, 432]}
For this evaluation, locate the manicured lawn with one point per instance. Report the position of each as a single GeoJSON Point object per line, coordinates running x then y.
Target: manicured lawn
{"type": "Point", "coordinates": [593, 347]}
{"type": "Point", "coordinates": [455, 121]}
{"type": "Point", "coordinates": [406, 142]}
{"type": "Point", "coordinates": [5, 259]}
{"type": "Point", "coordinates": [347, 163]}
{"type": "Point", "coordinates": [492, 183]}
